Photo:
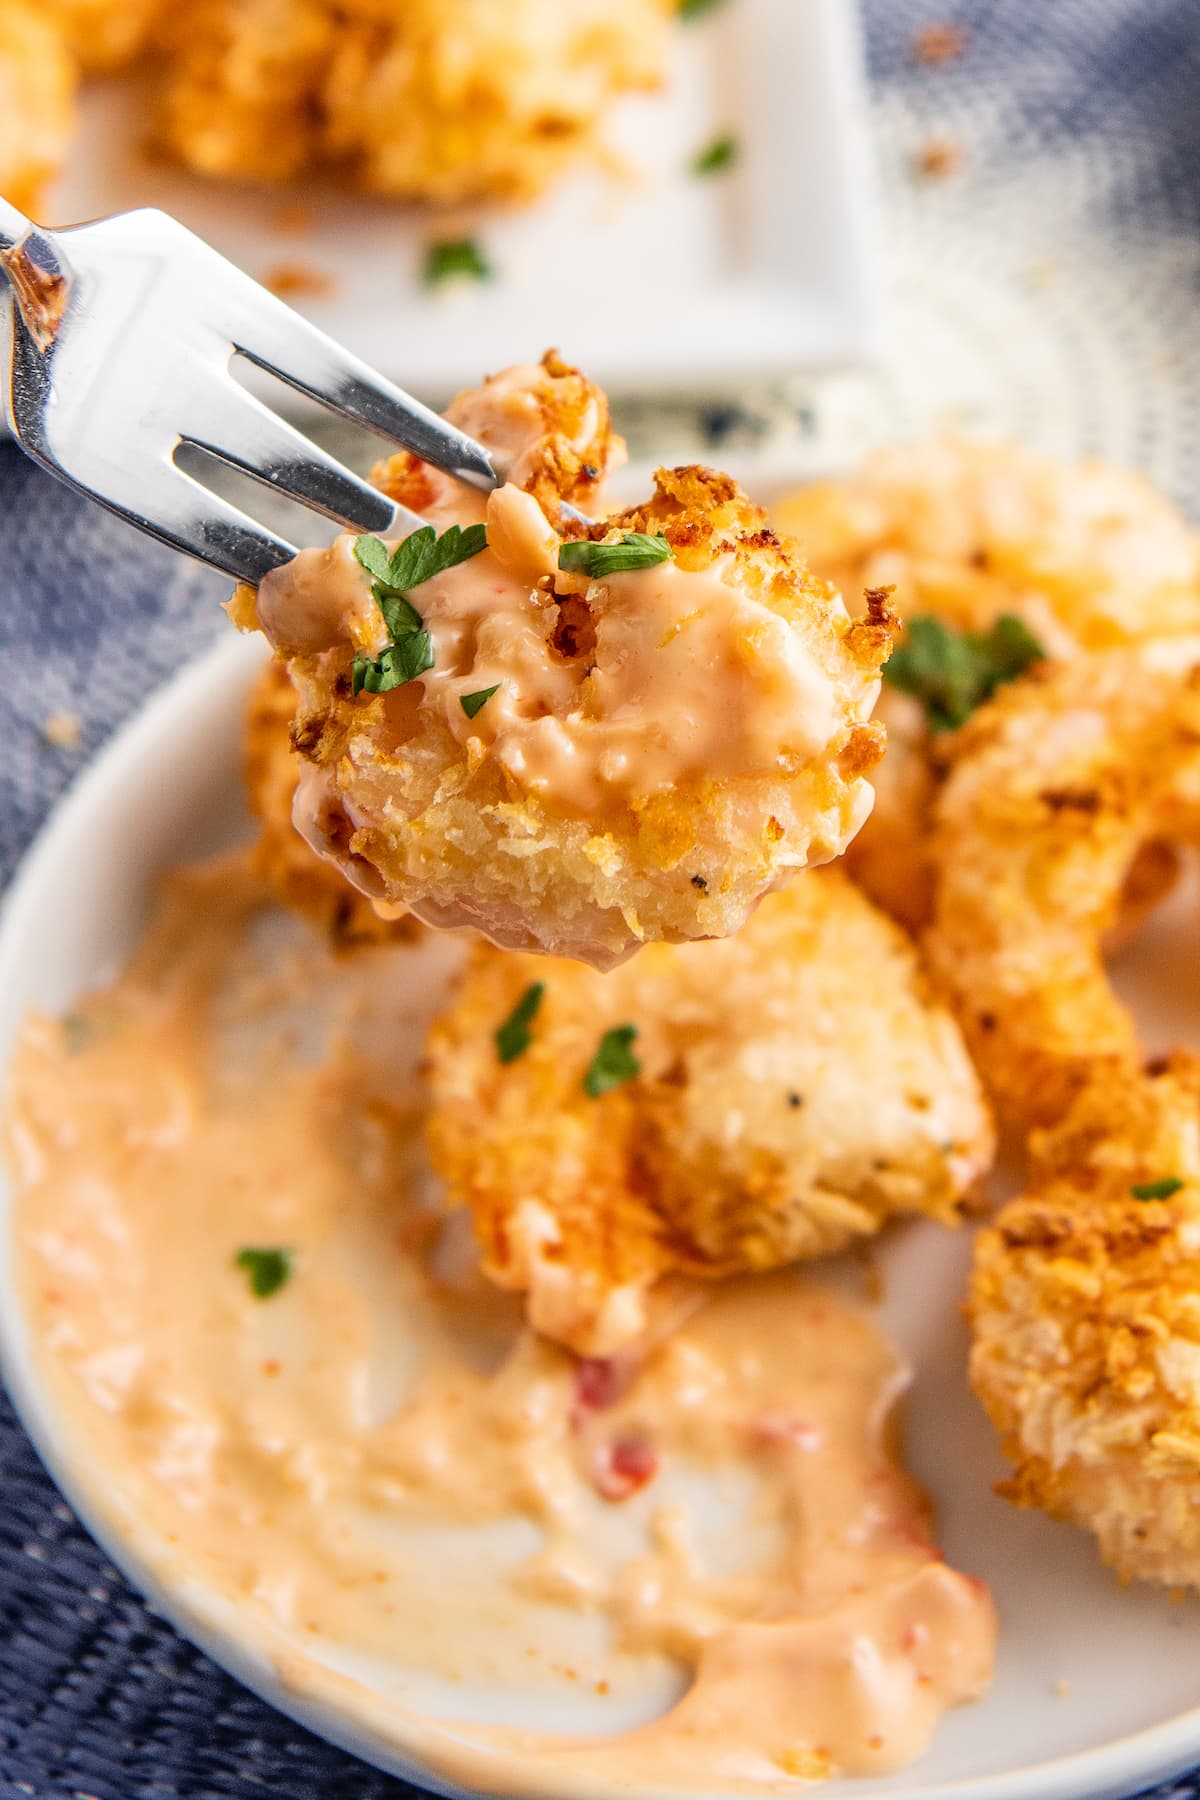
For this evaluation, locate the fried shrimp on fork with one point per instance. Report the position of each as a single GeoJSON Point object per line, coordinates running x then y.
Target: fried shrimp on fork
{"type": "Point", "coordinates": [553, 428]}
{"type": "Point", "coordinates": [575, 740]}
{"type": "Point", "coordinates": [705, 1110]}
{"type": "Point", "coordinates": [1087, 557]}
{"type": "Point", "coordinates": [1058, 786]}
{"type": "Point", "coordinates": [1085, 1311]}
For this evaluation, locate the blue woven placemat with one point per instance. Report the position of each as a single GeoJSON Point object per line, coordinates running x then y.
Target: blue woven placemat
{"type": "Point", "coordinates": [1087, 109]}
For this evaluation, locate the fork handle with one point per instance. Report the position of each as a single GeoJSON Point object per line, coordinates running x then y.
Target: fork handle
{"type": "Point", "coordinates": [14, 226]}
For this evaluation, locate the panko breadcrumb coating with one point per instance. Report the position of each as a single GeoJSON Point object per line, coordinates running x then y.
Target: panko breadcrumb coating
{"type": "Point", "coordinates": [1085, 1311]}
{"type": "Point", "coordinates": [434, 100]}
{"type": "Point", "coordinates": [1057, 788]}
{"type": "Point", "coordinates": [441, 101]}
{"type": "Point", "coordinates": [296, 875]}
{"type": "Point", "coordinates": [551, 428]}
{"type": "Point", "coordinates": [656, 747]}
{"type": "Point", "coordinates": [1089, 557]}
{"type": "Point", "coordinates": [545, 425]}
{"type": "Point", "coordinates": [106, 35]}
{"type": "Point", "coordinates": [797, 1087]}
{"type": "Point", "coordinates": [37, 102]}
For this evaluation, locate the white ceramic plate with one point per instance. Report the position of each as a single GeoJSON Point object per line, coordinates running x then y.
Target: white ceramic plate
{"type": "Point", "coordinates": [666, 281]}
{"type": "Point", "coordinates": [1095, 1688]}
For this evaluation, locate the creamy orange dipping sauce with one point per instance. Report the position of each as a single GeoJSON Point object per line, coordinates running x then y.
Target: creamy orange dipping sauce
{"type": "Point", "coordinates": [378, 1461]}
{"type": "Point", "coordinates": [686, 675]}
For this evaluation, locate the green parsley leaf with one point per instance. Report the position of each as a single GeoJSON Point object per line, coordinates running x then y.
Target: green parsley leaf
{"type": "Point", "coordinates": [613, 1063]}
{"type": "Point", "coordinates": [399, 615]}
{"type": "Point", "coordinates": [1156, 1190]}
{"type": "Point", "coordinates": [514, 1037]}
{"type": "Point", "coordinates": [416, 559]}
{"type": "Point", "coordinates": [402, 661]}
{"type": "Point", "coordinates": [473, 703]}
{"type": "Point", "coordinates": [419, 556]}
{"type": "Point", "coordinates": [374, 556]}
{"type": "Point", "coordinates": [635, 550]}
{"type": "Point", "coordinates": [952, 672]}
{"type": "Point", "coordinates": [722, 153]}
{"type": "Point", "coordinates": [696, 9]}
{"type": "Point", "coordinates": [455, 257]}
{"type": "Point", "coordinates": [267, 1270]}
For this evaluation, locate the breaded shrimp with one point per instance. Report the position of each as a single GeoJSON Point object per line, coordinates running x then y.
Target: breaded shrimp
{"type": "Point", "coordinates": [796, 1086]}
{"type": "Point", "coordinates": [1087, 556]}
{"type": "Point", "coordinates": [434, 100]}
{"type": "Point", "coordinates": [551, 427]}
{"type": "Point", "coordinates": [608, 737]}
{"type": "Point", "coordinates": [1085, 1309]}
{"type": "Point", "coordinates": [1056, 788]}
{"type": "Point", "coordinates": [105, 35]}
{"type": "Point", "coordinates": [38, 80]}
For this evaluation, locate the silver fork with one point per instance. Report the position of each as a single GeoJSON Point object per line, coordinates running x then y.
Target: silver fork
{"type": "Point", "coordinates": [123, 336]}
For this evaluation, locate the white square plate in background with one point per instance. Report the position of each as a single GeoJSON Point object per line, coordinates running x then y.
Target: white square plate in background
{"type": "Point", "coordinates": [663, 280]}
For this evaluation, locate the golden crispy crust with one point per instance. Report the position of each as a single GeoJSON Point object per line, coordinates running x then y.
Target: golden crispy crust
{"type": "Point", "coordinates": [37, 102]}
{"type": "Point", "coordinates": [437, 100]}
{"type": "Point", "coordinates": [105, 36]}
{"type": "Point", "coordinates": [1056, 791]}
{"type": "Point", "coordinates": [567, 443]}
{"type": "Point", "coordinates": [745, 1142]}
{"type": "Point", "coordinates": [442, 101]}
{"type": "Point", "coordinates": [568, 439]}
{"type": "Point", "coordinates": [458, 837]}
{"type": "Point", "coordinates": [1085, 1312]}
{"type": "Point", "coordinates": [1088, 556]}
{"type": "Point", "coordinates": [297, 877]}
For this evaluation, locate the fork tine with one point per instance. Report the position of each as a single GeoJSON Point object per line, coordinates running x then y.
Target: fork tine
{"type": "Point", "coordinates": [180, 511]}
{"type": "Point", "coordinates": [273, 337]}
{"type": "Point", "coordinates": [205, 525]}
{"type": "Point", "coordinates": [244, 433]}
{"type": "Point", "coordinates": [144, 322]}
{"type": "Point", "coordinates": [169, 504]}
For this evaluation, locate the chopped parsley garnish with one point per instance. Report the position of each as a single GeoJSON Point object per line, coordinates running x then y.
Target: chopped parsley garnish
{"type": "Point", "coordinates": [952, 672]}
{"type": "Point", "coordinates": [472, 703]}
{"type": "Point", "coordinates": [417, 559]}
{"type": "Point", "coordinates": [1156, 1190]}
{"type": "Point", "coordinates": [634, 550]}
{"type": "Point", "coordinates": [722, 153]}
{"type": "Point", "coordinates": [267, 1270]}
{"type": "Point", "coordinates": [455, 257]}
{"type": "Point", "coordinates": [695, 9]}
{"type": "Point", "coordinates": [402, 661]}
{"type": "Point", "coordinates": [514, 1037]}
{"type": "Point", "coordinates": [614, 1062]}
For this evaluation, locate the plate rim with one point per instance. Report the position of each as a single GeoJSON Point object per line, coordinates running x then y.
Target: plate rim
{"type": "Point", "coordinates": [1106, 1772]}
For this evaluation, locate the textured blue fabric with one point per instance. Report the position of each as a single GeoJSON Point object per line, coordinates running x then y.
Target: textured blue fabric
{"type": "Point", "coordinates": [97, 1696]}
